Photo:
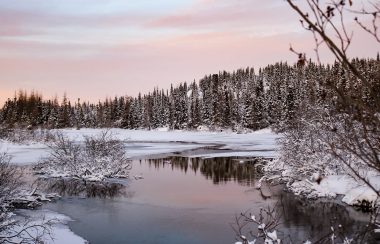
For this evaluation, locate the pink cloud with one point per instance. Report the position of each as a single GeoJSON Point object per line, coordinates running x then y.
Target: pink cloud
{"type": "Point", "coordinates": [237, 14]}
{"type": "Point", "coordinates": [24, 23]}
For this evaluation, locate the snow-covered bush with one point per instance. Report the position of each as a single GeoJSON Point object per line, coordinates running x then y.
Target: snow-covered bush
{"type": "Point", "coordinates": [12, 230]}
{"type": "Point", "coordinates": [19, 135]}
{"type": "Point", "coordinates": [324, 143]}
{"type": "Point", "coordinates": [304, 149]}
{"type": "Point", "coordinates": [97, 158]}
{"type": "Point", "coordinates": [9, 181]}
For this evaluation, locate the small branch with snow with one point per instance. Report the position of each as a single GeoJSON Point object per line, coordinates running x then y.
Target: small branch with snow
{"type": "Point", "coordinates": [261, 229]}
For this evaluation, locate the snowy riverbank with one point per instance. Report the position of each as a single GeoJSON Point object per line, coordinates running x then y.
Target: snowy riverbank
{"type": "Point", "coordinates": [140, 143]}
{"type": "Point", "coordinates": [352, 190]}
{"type": "Point", "coordinates": [263, 143]}
{"type": "Point", "coordinates": [59, 232]}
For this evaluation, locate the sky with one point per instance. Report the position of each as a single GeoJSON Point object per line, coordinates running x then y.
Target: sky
{"type": "Point", "coordinates": [95, 49]}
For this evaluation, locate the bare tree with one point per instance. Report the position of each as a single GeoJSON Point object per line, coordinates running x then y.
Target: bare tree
{"type": "Point", "coordinates": [9, 179]}
{"type": "Point", "coordinates": [13, 229]}
{"type": "Point", "coordinates": [354, 129]}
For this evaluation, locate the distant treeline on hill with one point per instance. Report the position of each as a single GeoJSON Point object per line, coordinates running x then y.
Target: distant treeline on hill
{"type": "Point", "coordinates": [241, 99]}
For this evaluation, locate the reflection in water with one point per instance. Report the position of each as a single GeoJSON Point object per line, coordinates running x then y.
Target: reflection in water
{"type": "Point", "coordinates": [174, 202]}
{"type": "Point", "coordinates": [219, 170]}
{"type": "Point", "coordinates": [317, 218]}
{"type": "Point", "coordinates": [76, 187]}
{"type": "Point", "coordinates": [298, 220]}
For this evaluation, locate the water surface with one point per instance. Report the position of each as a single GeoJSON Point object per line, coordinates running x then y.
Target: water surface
{"type": "Point", "coordinates": [194, 200]}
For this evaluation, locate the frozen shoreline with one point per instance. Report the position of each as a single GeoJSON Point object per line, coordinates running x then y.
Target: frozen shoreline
{"type": "Point", "coordinates": [59, 230]}
{"type": "Point", "coordinates": [262, 143]}
{"type": "Point", "coordinates": [353, 191]}
{"type": "Point", "coordinates": [141, 143]}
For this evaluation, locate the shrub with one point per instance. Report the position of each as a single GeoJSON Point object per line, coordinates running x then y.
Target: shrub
{"type": "Point", "coordinates": [99, 157]}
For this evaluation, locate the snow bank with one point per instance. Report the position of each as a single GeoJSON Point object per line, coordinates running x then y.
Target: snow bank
{"type": "Point", "coordinates": [160, 135]}
{"type": "Point", "coordinates": [60, 232]}
{"type": "Point", "coordinates": [141, 142]}
{"type": "Point", "coordinates": [353, 191]}
{"type": "Point", "coordinates": [307, 180]}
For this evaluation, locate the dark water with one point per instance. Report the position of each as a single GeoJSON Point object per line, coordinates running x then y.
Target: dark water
{"type": "Point", "coordinates": [192, 200]}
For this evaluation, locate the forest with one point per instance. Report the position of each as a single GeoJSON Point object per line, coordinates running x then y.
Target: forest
{"type": "Point", "coordinates": [276, 95]}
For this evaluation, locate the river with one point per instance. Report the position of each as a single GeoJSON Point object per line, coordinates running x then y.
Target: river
{"type": "Point", "coordinates": [193, 200]}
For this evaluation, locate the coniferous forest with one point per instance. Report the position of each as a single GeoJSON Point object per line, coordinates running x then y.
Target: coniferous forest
{"type": "Point", "coordinates": [288, 152]}
{"type": "Point", "coordinates": [242, 99]}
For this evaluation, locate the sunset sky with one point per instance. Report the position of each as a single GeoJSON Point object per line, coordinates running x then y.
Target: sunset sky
{"type": "Point", "coordinates": [97, 48]}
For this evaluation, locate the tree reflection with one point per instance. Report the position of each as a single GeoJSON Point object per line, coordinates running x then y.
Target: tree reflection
{"type": "Point", "coordinates": [77, 187]}
{"type": "Point", "coordinates": [219, 170]}
{"type": "Point", "coordinates": [313, 220]}
{"type": "Point", "coordinates": [297, 220]}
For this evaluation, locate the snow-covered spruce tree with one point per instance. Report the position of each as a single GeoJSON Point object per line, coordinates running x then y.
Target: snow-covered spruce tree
{"type": "Point", "coordinates": [156, 109]}
{"type": "Point", "coordinates": [98, 158]}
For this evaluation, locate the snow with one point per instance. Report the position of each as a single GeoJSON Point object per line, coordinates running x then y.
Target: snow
{"type": "Point", "coordinates": [256, 153]}
{"type": "Point", "coordinates": [141, 143]}
{"type": "Point", "coordinates": [259, 137]}
{"type": "Point", "coordinates": [141, 149]}
{"type": "Point", "coordinates": [24, 154]}
{"type": "Point", "coordinates": [333, 185]}
{"type": "Point", "coordinates": [272, 238]}
{"type": "Point", "coordinates": [262, 143]}
{"type": "Point", "coordinates": [60, 232]}
{"type": "Point", "coordinates": [261, 227]}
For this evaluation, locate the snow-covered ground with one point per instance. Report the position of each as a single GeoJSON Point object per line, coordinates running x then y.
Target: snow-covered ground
{"type": "Point", "coordinates": [352, 190]}
{"type": "Point", "coordinates": [24, 154]}
{"type": "Point", "coordinates": [150, 142]}
{"type": "Point", "coordinates": [60, 232]}
{"type": "Point", "coordinates": [142, 143]}
{"type": "Point", "coordinates": [333, 185]}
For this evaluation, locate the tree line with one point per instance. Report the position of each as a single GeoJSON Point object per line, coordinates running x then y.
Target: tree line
{"type": "Point", "coordinates": [242, 99]}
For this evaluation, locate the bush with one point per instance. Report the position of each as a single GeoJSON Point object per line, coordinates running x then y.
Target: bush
{"type": "Point", "coordinates": [9, 181]}
{"type": "Point", "coordinates": [98, 158]}
{"type": "Point", "coordinates": [18, 135]}
{"type": "Point", "coordinates": [12, 228]}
